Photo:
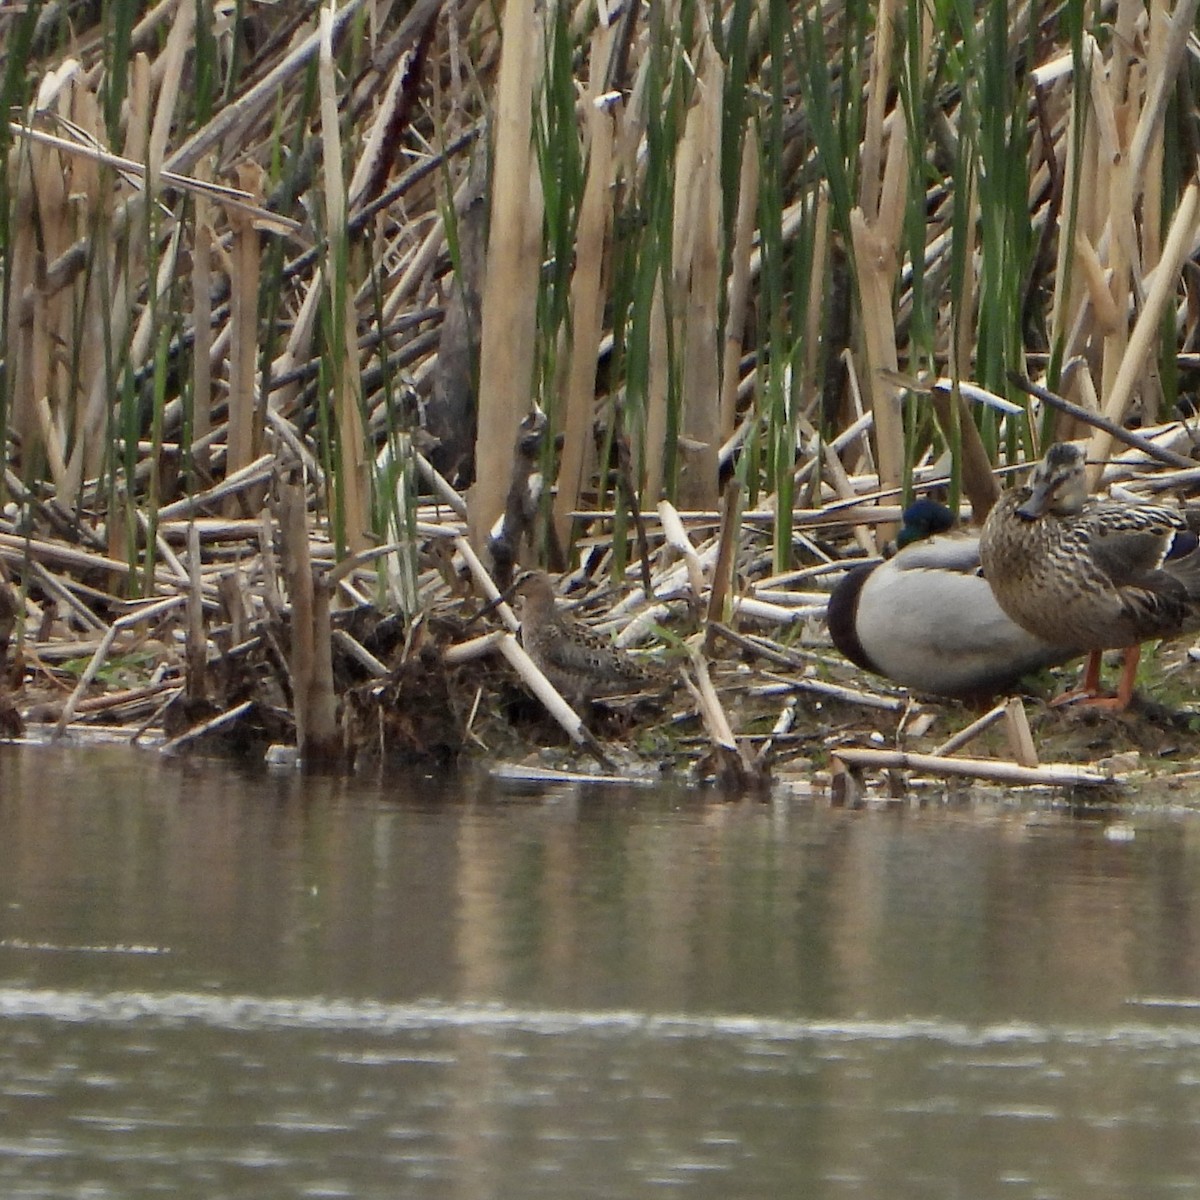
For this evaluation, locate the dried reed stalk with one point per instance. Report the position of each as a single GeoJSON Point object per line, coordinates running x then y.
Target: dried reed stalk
{"type": "Point", "coordinates": [722, 580]}
{"type": "Point", "coordinates": [513, 264]}
{"type": "Point", "coordinates": [587, 301]}
{"type": "Point", "coordinates": [202, 381]}
{"type": "Point", "coordinates": [877, 264]}
{"type": "Point", "coordinates": [1176, 251]}
{"type": "Point", "coordinates": [695, 261]}
{"type": "Point", "coordinates": [245, 430]}
{"type": "Point", "coordinates": [554, 704]}
{"type": "Point", "coordinates": [739, 283]}
{"type": "Point", "coordinates": [1047, 775]}
{"type": "Point", "coordinates": [197, 638]}
{"type": "Point", "coordinates": [658, 388]}
{"type": "Point", "coordinates": [352, 481]}
{"type": "Point", "coordinates": [311, 662]}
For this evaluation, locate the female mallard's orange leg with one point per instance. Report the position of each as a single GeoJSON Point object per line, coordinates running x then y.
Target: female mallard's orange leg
{"type": "Point", "coordinates": [1089, 687]}
{"type": "Point", "coordinates": [1087, 694]}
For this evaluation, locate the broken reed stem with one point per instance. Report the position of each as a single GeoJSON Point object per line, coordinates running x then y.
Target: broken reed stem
{"type": "Point", "coordinates": [1020, 737]}
{"type": "Point", "coordinates": [351, 481]}
{"type": "Point", "coordinates": [145, 613]}
{"type": "Point", "coordinates": [514, 261]}
{"type": "Point", "coordinates": [487, 584]}
{"type": "Point", "coordinates": [739, 283]}
{"type": "Point", "coordinates": [244, 436]}
{"type": "Point", "coordinates": [587, 309]}
{"type": "Point", "coordinates": [1147, 330]}
{"type": "Point", "coordinates": [311, 663]}
{"type": "Point", "coordinates": [678, 539]}
{"type": "Point", "coordinates": [197, 641]}
{"type": "Point", "coordinates": [711, 712]}
{"type": "Point", "coordinates": [228, 717]}
{"type": "Point", "coordinates": [550, 698]}
{"type": "Point", "coordinates": [726, 559]}
{"type": "Point", "coordinates": [970, 733]}
{"type": "Point", "coordinates": [1047, 775]}
{"type": "Point", "coordinates": [1130, 437]}
{"type": "Point", "coordinates": [696, 284]}
{"type": "Point", "coordinates": [323, 743]}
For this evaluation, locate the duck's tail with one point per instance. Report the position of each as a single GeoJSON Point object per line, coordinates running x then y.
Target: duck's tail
{"type": "Point", "coordinates": [1182, 562]}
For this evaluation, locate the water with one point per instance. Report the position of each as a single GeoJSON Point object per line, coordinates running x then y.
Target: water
{"type": "Point", "coordinates": [221, 985]}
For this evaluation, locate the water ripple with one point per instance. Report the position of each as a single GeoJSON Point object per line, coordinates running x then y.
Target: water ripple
{"type": "Point", "coordinates": [243, 1012]}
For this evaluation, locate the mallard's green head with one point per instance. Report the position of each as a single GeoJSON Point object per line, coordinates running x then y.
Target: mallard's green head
{"type": "Point", "coordinates": [922, 519]}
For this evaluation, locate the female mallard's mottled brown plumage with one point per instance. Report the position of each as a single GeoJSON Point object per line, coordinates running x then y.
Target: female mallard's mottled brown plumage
{"type": "Point", "coordinates": [579, 662]}
{"type": "Point", "coordinates": [1090, 573]}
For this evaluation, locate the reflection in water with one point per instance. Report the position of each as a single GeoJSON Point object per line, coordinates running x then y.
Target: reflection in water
{"type": "Point", "coordinates": [214, 984]}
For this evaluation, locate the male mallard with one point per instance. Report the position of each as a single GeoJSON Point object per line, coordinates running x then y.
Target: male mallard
{"type": "Point", "coordinates": [579, 662]}
{"type": "Point", "coordinates": [928, 620]}
{"type": "Point", "coordinates": [1090, 573]}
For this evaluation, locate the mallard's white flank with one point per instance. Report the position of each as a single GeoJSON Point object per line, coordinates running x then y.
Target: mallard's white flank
{"type": "Point", "coordinates": [928, 620]}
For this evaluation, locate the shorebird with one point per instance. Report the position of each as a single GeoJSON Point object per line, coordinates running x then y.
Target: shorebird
{"type": "Point", "coordinates": [581, 664]}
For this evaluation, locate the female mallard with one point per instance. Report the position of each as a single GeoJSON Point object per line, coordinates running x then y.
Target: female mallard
{"type": "Point", "coordinates": [928, 620]}
{"type": "Point", "coordinates": [1090, 573]}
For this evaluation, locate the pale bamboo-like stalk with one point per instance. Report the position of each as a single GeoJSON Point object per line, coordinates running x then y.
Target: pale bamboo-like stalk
{"type": "Point", "coordinates": [355, 479]}
{"type": "Point", "coordinates": [1119, 225]}
{"type": "Point", "coordinates": [487, 585]}
{"type": "Point", "coordinates": [1176, 251]}
{"type": "Point", "coordinates": [715, 720]}
{"type": "Point", "coordinates": [223, 719]}
{"type": "Point", "coordinates": [244, 436]}
{"type": "Point", "coordinates": [876, 235]}
{"type": "Point", "coordinates": [549, 697]}
{"type": "Point", "coordinates": [679, 541]}
{"type": "Point", "coordinates": [1020, 737]}
{"type": "Point", "coordinates": [870, 183]}
{"type": "Point", "coordinates": [1152, 174]}
{"type": "Point", "coordinates": [352, 480]}
{"type": "Point", "coordinates": [818, 281]}
{"type": "Point", "coordinates": [697, 258]}
{"type": "Point", "coordinates": [658, 390]}
{"type": "Point", "coordinates": [513, 265]}
{"type": "Point", "coordinates": [197, 638]}
{"type": "Point", "coordinates": [265, 91]}
{"type": "Point", "coordinates": [401, 565]}
{"type": "Point", "coordinates": [297, 573]}
{"type": "Point", "coordinates": [996, 770]}
{"type": "Point", "coordinates": [22, 267]}
{"type": "Point", "coordinates": [87, 179]}
{"type": "Point", "coordinates": [962, 333]}
{"type": "Point", "coordinates": [1095, 277]}
{"type": "Point", "coordinates": [1162, 74]}
{"type": "Point", "coordinates": [723, 569]}
{"type": "Point", "coordinates": [876, 264]}
{"type": "Point", "coordinates": [311, 663]}
{"type": "Point", "coordinates": [202, 391]}
{"type": "Point", "coordinates": [836, 473]}
{"type": "Point", "coordinates": [970, 732]}
{"type": "Point", "coordinates": [739, 282]}
{"type": "Point", "coordinates": [146, 613]}
{"type": "Point", "coordinates": [587, 312]}
{"type": "Point", "coordinates": [475, 649]}
{"type": "Point", "coordinates": [1074, 166]}
{"type": "Point", "coordinates": [180, 45]}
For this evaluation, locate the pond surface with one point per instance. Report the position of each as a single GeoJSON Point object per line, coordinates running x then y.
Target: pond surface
{"type": "Point", "coordinates": [223, 985]}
